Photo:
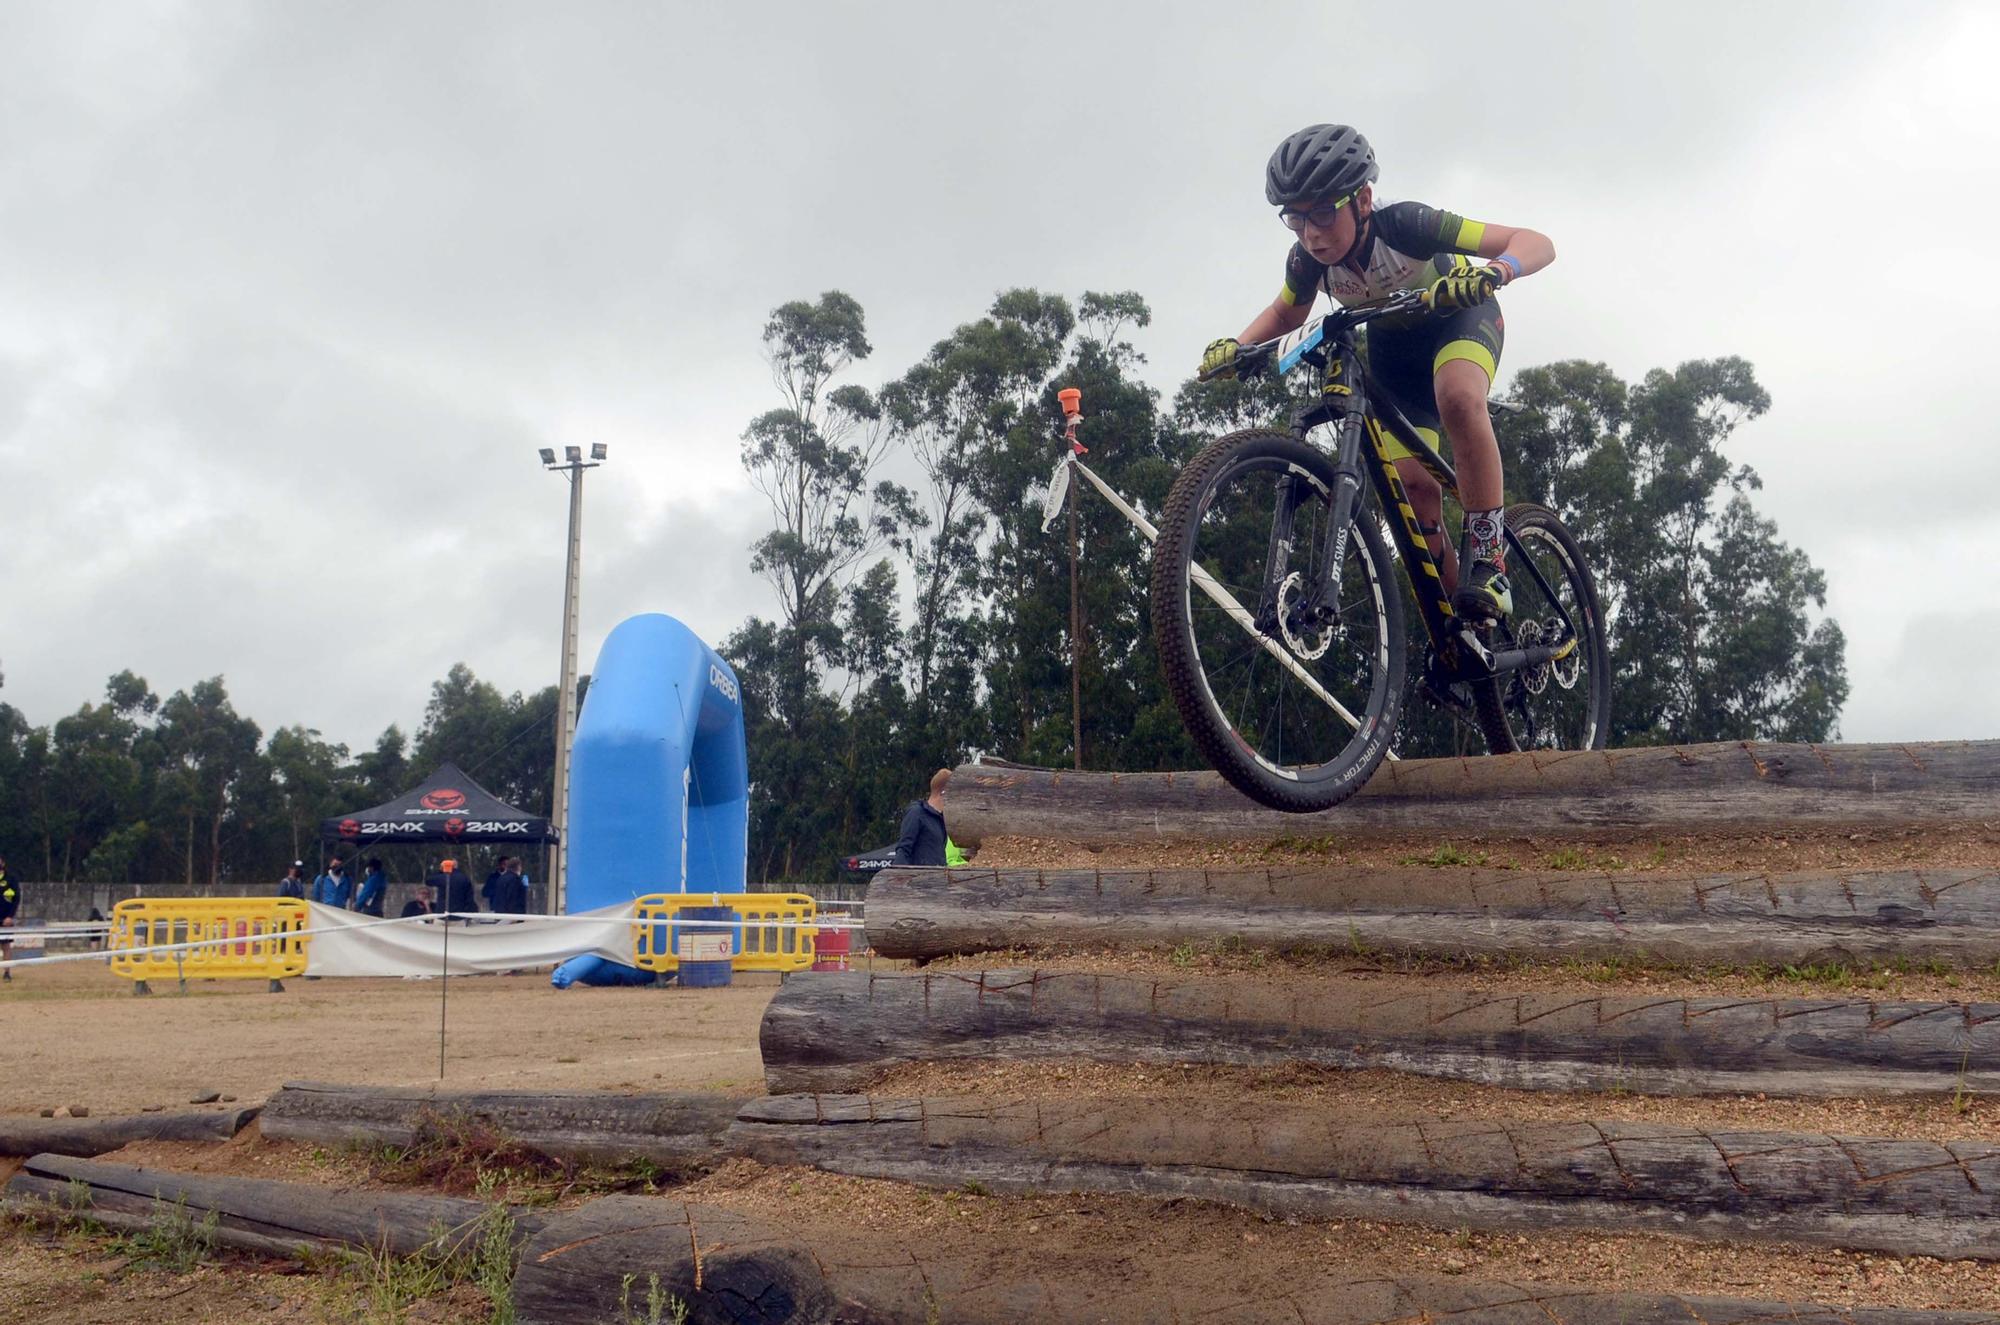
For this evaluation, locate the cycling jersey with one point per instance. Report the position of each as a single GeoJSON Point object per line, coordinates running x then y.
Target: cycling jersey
{"type": "Point", "coordinates": [1409, 245]}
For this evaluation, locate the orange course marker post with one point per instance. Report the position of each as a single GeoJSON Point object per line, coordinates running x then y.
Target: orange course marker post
{"type": "Point", "coordinates": [1072, 407]}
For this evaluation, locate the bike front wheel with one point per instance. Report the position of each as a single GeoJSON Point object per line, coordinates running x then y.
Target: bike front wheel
{"type": "Point", "coordinates": [1290, 693]}
{"type": "Point", "coordinates": [1564, 704]}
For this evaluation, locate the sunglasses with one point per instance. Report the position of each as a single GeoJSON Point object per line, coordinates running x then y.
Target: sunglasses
{"type": "Point", "coordinates": [1322, 215]}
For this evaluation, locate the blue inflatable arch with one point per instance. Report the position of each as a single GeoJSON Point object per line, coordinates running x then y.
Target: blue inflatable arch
{"type": "Point", "coordinates": [659, 776]}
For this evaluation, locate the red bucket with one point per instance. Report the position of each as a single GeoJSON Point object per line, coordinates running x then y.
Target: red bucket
{"type": "Point", "coordinates": [831, 949]}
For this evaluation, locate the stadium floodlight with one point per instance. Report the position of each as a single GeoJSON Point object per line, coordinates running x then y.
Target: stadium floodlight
{"type": "Point", "coordinates": [570, 467]}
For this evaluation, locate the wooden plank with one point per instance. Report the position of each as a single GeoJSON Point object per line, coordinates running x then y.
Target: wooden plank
{"type": "Point", "coordinates": [828, 1032]}
{"type": "Point", "coordinates": [1727, 786]}
{"type": "Point", "coordinates": [1795, 917]}
{"type": "Point", "coordinates": [679, 1130]}
{"type": "Point", "coordinates": [1907, 1197]}
{"type": "Point", "coordinates": [267, 1214]}
{"type": "Point", "coordinates": [596, 1264]}
{"type": "Point", "coordinates": [95, 1136]}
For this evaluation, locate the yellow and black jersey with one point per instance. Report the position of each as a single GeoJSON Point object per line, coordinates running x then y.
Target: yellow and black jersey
{"type": "Point", "coordinates": [1408, 244]}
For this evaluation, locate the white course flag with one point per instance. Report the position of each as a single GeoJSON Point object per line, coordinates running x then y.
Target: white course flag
{"type": "Point", "coordinates": [348, 943]}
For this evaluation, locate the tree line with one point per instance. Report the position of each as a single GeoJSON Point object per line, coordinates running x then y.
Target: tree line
{"type": "Point", "coordinates": [923, 615]}
{"type": "Point", "coordinates": [140, 788]}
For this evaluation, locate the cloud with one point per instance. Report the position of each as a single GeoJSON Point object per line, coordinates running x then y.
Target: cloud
{"type": "Point", "coordinates": [293, 293]}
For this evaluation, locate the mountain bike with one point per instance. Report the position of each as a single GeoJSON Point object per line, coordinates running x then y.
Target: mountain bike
{"type": "Point", "coordinates": [1277, 618]}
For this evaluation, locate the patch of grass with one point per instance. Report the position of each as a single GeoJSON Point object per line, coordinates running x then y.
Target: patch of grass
{"type": "Point", "coordinates": [1833, 975]}
{"type": "Point", "coordinates": [378, 1286]}
{"type": "Point", "coordinates": [171, 1240]}
{"type": "Point", "coordinates": [383, 1287]}
{"type": "Point", "coordinates": [1447, 856]}
{"type": "Point", "coordinates": [459, 1155]}
{"type": "Point", "coordinates": [974, 1187]}
{"type": "Point", "coordinates": [660, 1308]}
{"type": "Point", "coordinates": [493, 1254]}
{"type": "Point", "coordinates": [1323, 845]}
{"type": "Point", "coordinates": [1182, 955]}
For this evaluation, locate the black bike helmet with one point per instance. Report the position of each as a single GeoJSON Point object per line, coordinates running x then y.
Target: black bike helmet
{"type": "Point", "coordinates": [1319, 161]}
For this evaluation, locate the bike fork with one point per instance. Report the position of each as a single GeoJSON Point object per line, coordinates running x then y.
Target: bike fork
{"type": "Point", "coordinates": [1322, 605]}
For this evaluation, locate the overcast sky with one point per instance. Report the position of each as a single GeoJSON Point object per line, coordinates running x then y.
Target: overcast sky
{"type": "Point", "coordinates": [291, 293]}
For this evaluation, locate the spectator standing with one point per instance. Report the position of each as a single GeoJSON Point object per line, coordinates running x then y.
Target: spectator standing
{"type": "Point", "coordinates": [10, 907]}
{"type": "Point", "coordinates": [294, 882]}
{"type": "Point", "coordinates": [922, 839]}
{"type": "Point", "coordinates": [453, 888]}
{"type": "Point", "coordinates": [492, 879]}
{"type": "Point", "coordinates": [374, 886]}
{"type": "Point", "coordinates": [506, 890]}
{"type": "Point", "coordinates": [334, 888]}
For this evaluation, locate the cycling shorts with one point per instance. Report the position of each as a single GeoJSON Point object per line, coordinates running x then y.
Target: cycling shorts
{"type": "Point", "coordinates": [1404, 358]}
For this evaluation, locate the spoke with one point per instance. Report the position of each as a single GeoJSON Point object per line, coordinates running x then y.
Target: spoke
{"type": "Point", "coordinates": [1227, 602]}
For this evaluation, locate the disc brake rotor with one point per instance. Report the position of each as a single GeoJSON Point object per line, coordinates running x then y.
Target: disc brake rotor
{"type": "Point", "coordinates": [1568, 668]}
{"type": "Point", "coordinates": [1307, 645]}
{"type": "Point", "coordinates": [1527, 635]}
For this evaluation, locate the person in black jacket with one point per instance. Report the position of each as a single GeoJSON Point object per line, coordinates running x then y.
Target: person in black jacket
{"type": "Point", "coordinates": [506, 892]}
{"type": "Point", "coordinates": [452, 888]}
{"type": "Point", "coordinates": [921, 841]}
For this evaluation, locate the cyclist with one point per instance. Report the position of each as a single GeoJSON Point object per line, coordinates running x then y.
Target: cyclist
{"type": "Point", "coordinates": [1437, 369]}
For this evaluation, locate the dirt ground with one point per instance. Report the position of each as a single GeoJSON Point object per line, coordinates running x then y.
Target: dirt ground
{"type": "Point", "coordinates": [75, 1034]}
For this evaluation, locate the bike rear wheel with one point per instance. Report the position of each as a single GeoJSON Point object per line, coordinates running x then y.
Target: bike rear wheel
{"type": "Point", "coordinates": [1559, 705]}
{"type": "Point", "coordinates": [1294, 710]}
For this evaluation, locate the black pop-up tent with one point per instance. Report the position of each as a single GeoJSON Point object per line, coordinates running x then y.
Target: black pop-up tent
{"type": "Point", "coordinates": [448, 807]}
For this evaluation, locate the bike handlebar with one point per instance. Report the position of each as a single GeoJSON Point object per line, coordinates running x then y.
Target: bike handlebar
{"type": "Point", "coordinates": [1253, 359]}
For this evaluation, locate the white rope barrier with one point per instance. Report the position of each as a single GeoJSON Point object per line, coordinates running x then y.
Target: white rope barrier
{"type": "Point", "coordinates": [483, 918]}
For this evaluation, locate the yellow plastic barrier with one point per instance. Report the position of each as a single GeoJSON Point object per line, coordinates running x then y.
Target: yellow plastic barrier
{"type": "Point", "coordinates": [777, 932]}
{"type": "Point", "coordinates": [234, 938]}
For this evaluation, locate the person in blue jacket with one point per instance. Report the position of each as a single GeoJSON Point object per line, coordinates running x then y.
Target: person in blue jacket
{"type": "Point", "coordinates": [334, 888]}
{"type": "Point", "coordinates": [922, 839]}
{"type": "Point", "coordinates": [368, 901]}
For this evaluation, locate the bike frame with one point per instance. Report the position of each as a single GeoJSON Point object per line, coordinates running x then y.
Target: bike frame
{"type": "Point", "coordinates": [1360, 414]}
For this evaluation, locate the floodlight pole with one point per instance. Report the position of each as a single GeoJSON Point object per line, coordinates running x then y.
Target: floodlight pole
{"type": "Point", "coordinates": [571, 467]}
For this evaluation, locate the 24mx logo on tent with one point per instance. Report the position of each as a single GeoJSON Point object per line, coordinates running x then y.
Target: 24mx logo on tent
{"type": "Point", "coordinates": [444, 798]}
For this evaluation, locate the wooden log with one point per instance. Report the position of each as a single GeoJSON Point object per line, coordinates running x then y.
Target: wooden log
{"type": "Point", "coordinates": [94, 1136]}
{"type": "Point", "coordinates": [255, 1213]}
{"type": "Point", "coordinates": [1730, 786]}
{"type": "Point", "coordinates": [839, 1032]}
{"type": "Point", "coordinates": [1806, 916]}
{"type": "Point", "coordinates": [1908, 1197]}
{"type": "Point", "coordinates": [599, 1262]}
{"type": "Point", "coordinates": [679, 1130]}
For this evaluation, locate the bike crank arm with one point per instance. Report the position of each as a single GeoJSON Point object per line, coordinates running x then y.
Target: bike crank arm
{"type": "Point", "coordinates": [1514, 660]}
